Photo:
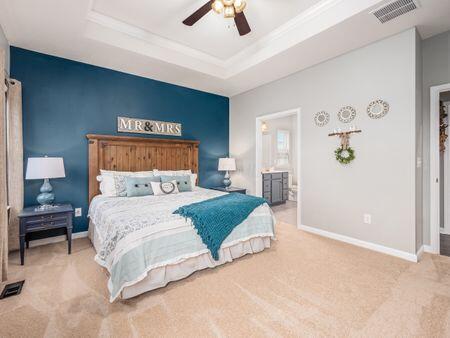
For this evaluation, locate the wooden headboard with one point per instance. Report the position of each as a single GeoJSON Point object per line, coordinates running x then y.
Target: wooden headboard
{"type": "Point", "coordinates": [124, 153]}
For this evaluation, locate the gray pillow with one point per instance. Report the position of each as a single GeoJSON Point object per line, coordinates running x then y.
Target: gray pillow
{"type": "Point", "coordinates": [184, 183]}
{"type": "Point", "coordinates": [139, 186]}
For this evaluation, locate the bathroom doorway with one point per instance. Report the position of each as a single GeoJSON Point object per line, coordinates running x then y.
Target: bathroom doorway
{"type": "Point", "coordinates": [439, 178]}
{"type": "Point", "coordinates": [278, 163]}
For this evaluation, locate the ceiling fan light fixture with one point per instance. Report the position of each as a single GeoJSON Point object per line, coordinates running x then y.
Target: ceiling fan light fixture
{"type": "Point", "coordinates": [229, 12]}
{"type": "Point", "coordinates": [217, 6]}
{"type": "Point", "coordinates": [228, 2]}
{"type": "Point", "coordinates": [239, 6]}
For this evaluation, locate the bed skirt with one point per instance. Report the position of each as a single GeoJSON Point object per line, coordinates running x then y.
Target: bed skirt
{"type": "Point", "coordinates": [161, 276]}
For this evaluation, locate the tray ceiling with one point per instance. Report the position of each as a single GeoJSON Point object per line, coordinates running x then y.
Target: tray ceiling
{"type": "Point", "coordinates": [147, 38]}
{"type": "Point", "coordinates": [213, 34]}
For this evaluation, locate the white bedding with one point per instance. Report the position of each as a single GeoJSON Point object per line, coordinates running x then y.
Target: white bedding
{"type": "Point", "coordinates": [137, 238]}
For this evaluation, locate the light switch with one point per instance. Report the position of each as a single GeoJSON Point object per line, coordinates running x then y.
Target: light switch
{"type": "Point", "coordinates": [367, 219]}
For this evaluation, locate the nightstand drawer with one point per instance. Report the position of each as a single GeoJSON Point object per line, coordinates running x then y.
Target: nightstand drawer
{"type": "Point", "coordinates": [45, 219]}
{"type": "Point", "coordinates": [47, 224]}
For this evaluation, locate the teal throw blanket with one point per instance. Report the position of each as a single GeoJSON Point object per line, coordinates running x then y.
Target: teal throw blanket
{"type": "Point", "coordinates": [215, 219]}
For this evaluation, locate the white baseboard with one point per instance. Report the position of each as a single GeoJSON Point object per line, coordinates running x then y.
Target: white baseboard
{"type": "Point", "coordinates": [427, 248]}
{"type": "Point", "coordinates": [367, 245]}
{"type": "Point", "coordinates": [420, 252]}
{"type": "Point", "coordinates": [56, 239]}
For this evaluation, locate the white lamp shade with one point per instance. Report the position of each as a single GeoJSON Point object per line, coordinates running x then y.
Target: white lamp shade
{"type": "Point", "coordinates": [227, 164]}
{"type": "Point", "coordinates": [45, 167]}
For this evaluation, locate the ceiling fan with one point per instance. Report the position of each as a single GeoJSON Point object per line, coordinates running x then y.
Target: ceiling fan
{"type": "Point", "coordinates": [230, 9]}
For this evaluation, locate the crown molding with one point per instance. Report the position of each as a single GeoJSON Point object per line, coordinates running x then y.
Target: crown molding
{"type": "Point", "coordinates": [312, 21]}
{"type": "Point", "coordinates": [151, 38]}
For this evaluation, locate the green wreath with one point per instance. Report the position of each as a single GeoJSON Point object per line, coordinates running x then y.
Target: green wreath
{"type": "Point", "coordinates": [344, 156]}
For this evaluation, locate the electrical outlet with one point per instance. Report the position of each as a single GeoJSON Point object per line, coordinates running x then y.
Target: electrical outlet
{"type": "Point", "coordinates": [367, 219]}
{"type": "Point", "coordinates": [77, 212]}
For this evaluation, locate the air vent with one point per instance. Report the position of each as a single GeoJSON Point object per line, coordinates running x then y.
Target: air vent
{"type": "Point", "coordinates": [395, 9]}
{"type": "Point", "coordinates": [13, 289]}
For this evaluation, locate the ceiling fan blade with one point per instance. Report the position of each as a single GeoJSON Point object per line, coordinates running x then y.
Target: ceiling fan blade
{"type": "Point", "coordinates": [200, 13]}
{"type": "Point", "coordinates": [242, 24]}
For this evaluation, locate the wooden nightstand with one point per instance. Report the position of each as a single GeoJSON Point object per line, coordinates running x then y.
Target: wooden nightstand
{"type": "Point", "coordinates": [60, 216]}
{"type": "Point", "coordinates": [231, 189]}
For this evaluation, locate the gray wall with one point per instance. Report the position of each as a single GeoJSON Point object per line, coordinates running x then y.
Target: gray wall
{"type": "Point", "coordinates": [5, 46]}
{"type": "Point", "coordinates": [436, 71]}
{"type": "Point", "coordinates": [419, 144]}
{"type": "Point", "coordinates": [381, 181]}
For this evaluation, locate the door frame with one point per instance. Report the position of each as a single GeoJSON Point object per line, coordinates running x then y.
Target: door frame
{"type": "Point", "coordinates": [258, 146]}
{"type": "Point", "coordinates": [446, 181]}
{"type": "Point", "coordinates": [435, 91]}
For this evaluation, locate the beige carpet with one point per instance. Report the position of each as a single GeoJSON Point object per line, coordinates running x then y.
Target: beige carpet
{"type": "Point", "coordinates": [304, 285]}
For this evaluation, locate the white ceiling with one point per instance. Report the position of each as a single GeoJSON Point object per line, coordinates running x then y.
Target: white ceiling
{"type": "Point", "coordinates": [212, 35]}
{"type": "Point", "coordinates": [147, 38]}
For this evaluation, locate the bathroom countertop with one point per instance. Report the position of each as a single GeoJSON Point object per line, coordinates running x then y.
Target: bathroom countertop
{"type": "Point", "coordinates": [274, 171]}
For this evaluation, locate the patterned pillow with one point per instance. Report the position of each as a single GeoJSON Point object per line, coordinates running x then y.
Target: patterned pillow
{"type": "Point", "coordinates": [183, 182]}
{"type": "Point", "coordinates": [139, 186]}
{"type": "Point", "coordinates": [112, 183]}
{"type": "Point", "coordinates": [165, 188]}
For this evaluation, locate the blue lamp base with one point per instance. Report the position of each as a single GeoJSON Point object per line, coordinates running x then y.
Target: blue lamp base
{"type": "Point", "coordinates": [226, 180]}
{"type": "Point", "coordinates": [46, 197]}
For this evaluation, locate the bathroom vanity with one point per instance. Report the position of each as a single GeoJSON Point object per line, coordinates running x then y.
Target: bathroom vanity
{"type": "Point", "coordinates": [275, 186]}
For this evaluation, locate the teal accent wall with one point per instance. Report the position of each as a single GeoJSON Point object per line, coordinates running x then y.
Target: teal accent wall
{"type": "Point", "coordinates": [64, 100]}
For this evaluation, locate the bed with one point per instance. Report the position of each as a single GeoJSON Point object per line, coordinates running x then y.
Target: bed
{"type": "Point", "coordinates": [139, 240]}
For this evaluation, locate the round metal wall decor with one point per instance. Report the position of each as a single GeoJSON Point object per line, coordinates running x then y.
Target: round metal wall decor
{"type": "Point", "coordinates": [347, 114]}
{"type": "Point", "coordinates": [322, 118]}
{"type": "Point", "coordinates": [377, 109]}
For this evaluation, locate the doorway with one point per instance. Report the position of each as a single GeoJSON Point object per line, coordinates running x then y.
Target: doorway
{"type": "Point", "coordinates": [439, 170]}
{"type": "Point", "coordinates": [444, 173]}
{"type": "Point", "coordinates": [278, 163]}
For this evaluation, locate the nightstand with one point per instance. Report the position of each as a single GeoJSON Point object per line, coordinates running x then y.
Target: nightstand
{"type": "Point", "coordinates": [32, 220]}
{"type": "Point", "coordinates": [231, 189]}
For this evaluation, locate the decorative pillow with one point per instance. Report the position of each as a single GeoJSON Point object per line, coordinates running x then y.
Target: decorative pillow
{"type": "Point", "coordinates": [139, 186]}
{"type": "Point", "coordinates": [112, 183]}
{"type": "Point", "coordinates": [166, 188]}
{"type": "Point", "coordinates": [193, 180]}
{"type": "Point", "coordinates": [157, 172]}
{"type": "Point", "coordinates": [107, 186]}
{"type": "Point", "coordinates": [184, 183]}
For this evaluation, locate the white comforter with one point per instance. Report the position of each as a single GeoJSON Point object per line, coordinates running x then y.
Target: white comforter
{"type": "Point", "coordinates": [139, 234]}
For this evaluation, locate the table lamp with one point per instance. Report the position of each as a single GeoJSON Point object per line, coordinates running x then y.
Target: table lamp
{"type": "Point", "coordinates": [227, 165]}
{"type": "Point", "coordinates": [45, 168]}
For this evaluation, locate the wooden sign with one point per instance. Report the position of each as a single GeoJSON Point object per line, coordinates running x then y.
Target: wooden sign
{"type": "Point", "coordinates": [130, 125]}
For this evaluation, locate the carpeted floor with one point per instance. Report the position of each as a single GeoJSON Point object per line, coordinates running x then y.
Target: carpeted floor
{"type": "Point", "coordinates": [304, 285]}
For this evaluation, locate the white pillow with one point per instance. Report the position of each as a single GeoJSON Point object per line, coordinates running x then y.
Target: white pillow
{"type": "Point", "coordinates": [158, 190]}
{"type": "Point", "coordinates": [193, 179]}
{"type": "Point", "coordinates": [126, 173]}
{"type": "Point", "coordinates": [112, 183]}
{"type": "Point", "coordinates": [157, 172]}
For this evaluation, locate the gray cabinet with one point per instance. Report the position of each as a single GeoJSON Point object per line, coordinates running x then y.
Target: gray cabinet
{"type": "Point", "coordinates": [275, 187]}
